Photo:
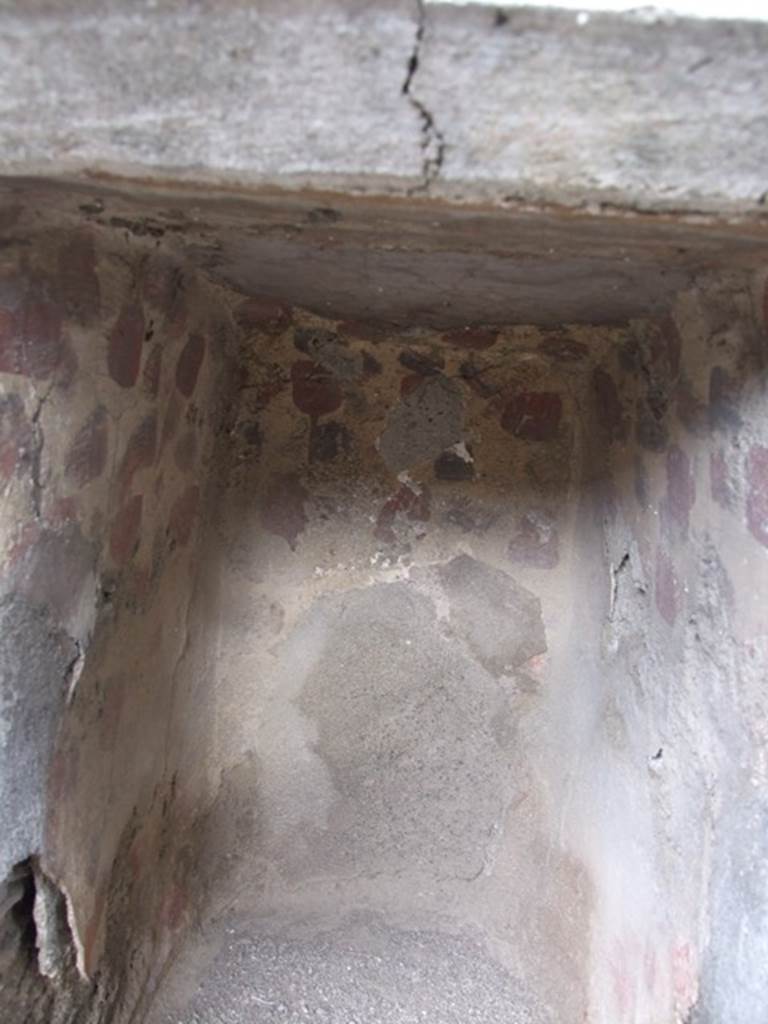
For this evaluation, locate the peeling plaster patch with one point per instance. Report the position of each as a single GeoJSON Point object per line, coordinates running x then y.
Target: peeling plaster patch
{"type": "Point", "coordinates": [455, 464]}
{"type": "Point", "coordinates": [51, 926]}
{"type": "Point", "coordinates": [500, 620]}
{"type": "Point", "coordinates": [384, 660]}
{"type": "Point", "coordinates": [426, 421]}
{"type": "Point", "coordinates": [327, 349]}
{"type": "Point", "coordinates": [462, 452]}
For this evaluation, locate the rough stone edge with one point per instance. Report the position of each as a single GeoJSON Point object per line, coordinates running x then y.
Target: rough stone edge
{"type": "Point", "coordinates": [139, 183]}
{"type": "Point", "coordinates": [504, 195]}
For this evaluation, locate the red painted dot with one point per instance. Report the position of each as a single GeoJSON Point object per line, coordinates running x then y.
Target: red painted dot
{"type": "Point", "coordinates": [87, 455]}
{"type": "Point", "coordinates": [315, 391]}
{"type": "Point", "coordinates": [189, 364]}
{"type": "Point", "coordinates": [183, 515]}
{"type": "Point", "coordinates": [757, 494]}
{"type": "Point", "coordinates": [666, 588]}
{"type": "Point", "coordinates": [610, 411]}
{"type": "Point", "coordinates": [139, 452]}
{"type": "Point", "coordinates": [475, 338]}
{"type": "Point", "coordinates": [414, 505]}
{"type": "Point", "coordinates": [533, 415]}
{"type": "Point", "coordinates": [126, 529]}
{"type": "Point", "coordinates": [719, 479]}
{"type": "Point", "coordinates": [150, 376]}
{"type": "Point", "coordinates": [30, 339]}
{"type": "Point", "coordinates": [283, 511]}
{"type": "Point", "coordinates": [77, 283]}
{"type": "Point", "coordinates": [16, 438]}
{"type": "Point", "coordinates": [263, 314]}
{"type": "Point", "coordinates": [125, 342]}
{"type": "Point", "coordinates": [681, 486]}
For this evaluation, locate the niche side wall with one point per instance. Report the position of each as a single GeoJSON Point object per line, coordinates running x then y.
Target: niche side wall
{"type": "Point", "coordinates": [666, 779]}
{"type": "Point", "coordinates": [113, 377]}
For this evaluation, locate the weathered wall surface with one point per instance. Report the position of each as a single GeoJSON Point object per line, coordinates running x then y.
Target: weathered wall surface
{"type": "Point", "coordinates": [411, 635]}
{"type": "Point", "coordinates": [685, 658]}
{"type": "Point", "coordinates": [327, 584]}
{"type": "Point", "coordinates": [656, 741]}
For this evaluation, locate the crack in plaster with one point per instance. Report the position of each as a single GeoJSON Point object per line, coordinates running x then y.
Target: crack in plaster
{"type": "Point", "coordinates": [616, 572]}
{"type": "Point", "coordinates": [75, 668]}
{"type": "Point", "coordinates": [183, 651]}
{"type": "Point", "coordinates": [432, 139]}
{"type": "Point", "coordinates": [37, 455]}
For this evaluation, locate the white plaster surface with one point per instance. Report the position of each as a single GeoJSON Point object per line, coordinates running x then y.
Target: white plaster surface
{"type": "Point", "coordinates": [532, 105]}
